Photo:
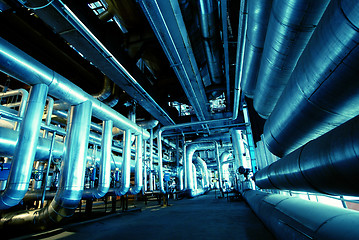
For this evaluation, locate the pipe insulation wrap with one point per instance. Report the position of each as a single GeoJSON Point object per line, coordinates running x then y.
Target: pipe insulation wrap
{"type": "Point", "coordinates": [25, 149]}
{"type": "Point", "coordinates": [23, 67]}
{"type": "Point", "coordinates": [294, 218]}
{"type": "Point", "coordinates": [327, 164]}
{"type": "Point", "coordinates": [291, 24]}
{"type": "Point", "coordinates": [258, 17]}
{"type": "Point", "coordinates": [323, 91]}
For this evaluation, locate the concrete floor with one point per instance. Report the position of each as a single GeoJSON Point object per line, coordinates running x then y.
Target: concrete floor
{"type": "Point", "coordinates": [204, 217]}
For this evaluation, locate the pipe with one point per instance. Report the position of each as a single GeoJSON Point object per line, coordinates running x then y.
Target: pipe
{"type": "Point", "coordinates": [21, 66]}
{"type": "Point", "coordinates": [194, 179]}
{"type": "Point", "coordinates": [24, 95]}
{"type": "Point", "coordinates": [323, 90]}
{"type": "Point", "coordinates": [126, 165]}
{"type": "Point", "coordinates": [138, 171]}
{"type": "Point", "coordinates": [204, 170]}
{"type": "Point", "coordinates": [180, 177]}
{"type": "Point", "coordinates": [224, 157]}
{"type": "Point", "coordinates": [104, 180]}
{"type": "Point", "coordinates": [25, 149]}
{"type": "Point", "coordinates": [151, 160]}
{"type": "Point", "coordinates": [208, 21]}
{"type": "Point", "coordinates": [71, 183]}
{"type": "Point", "coordinates": [258, 17]}
{"type": "Point", "coordinates": [49, 110]}
{"type": "Point", "coordinates": [238, 154]}
{"type": "Point", "coordinates": [327, 164]}
{"type": "Point", "coordinates": [149, 124]}
{"type": "Point", "coordinates": [106, 90]}
{"type": "Point", "coordinates": [189, 150]}
{"type": "Point", "coordinates": [294, 218]}
{"type": "Point", "coordinates": [291, 25]}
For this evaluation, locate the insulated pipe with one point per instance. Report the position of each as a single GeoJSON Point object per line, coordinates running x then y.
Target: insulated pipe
{"type": "Point", "coordinates": [238, 154]}
{"type": "Point", "coordinates": [294, 218]}
{"type": "Point", "coordinates": [24, 95]}
{"type": "Point", "coordinates": [208, 21]}
{"type": "Point", "coordinates": [224, 157]}
{"type": "Point", "coordinates": [194, 179]}
{"type": "Point", "coordinates": [126, 165]}
{"type": "Point", "coordinates": [189, 150]}
{"type": "Point", "coordinates": [327, 164]}
{"type": "Point", "coordinates": [73, 166]}
{"type": "Point", "coordinates": [151, 160]}
{"type": "Point", "coordinates": [204, 170]}
{"type": "Point", "coordinates": [323, 90]}
{"type": "Point", "coordinates": [49, 110]}
{"type": "Point", "coordinates": [139, 169]}
{"type": "Point", "coordinates": [25, 150]}
{"type": "Point", "coordinates": [291, 24]}
{"type": "Point", "coordinates": [180, 177]}
{"type": "Point", "coordinates": [258, 17]}
{"type": "Point", "coordinates": [23, 67]}
{"type": "Point", "coordinates": [104, 179]}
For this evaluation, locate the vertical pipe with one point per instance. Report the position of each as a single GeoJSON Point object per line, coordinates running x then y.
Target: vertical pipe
{"type": "Point", "coordinates": [145, 178]}
{"type": "Point", "coordinates": [25, 150]}
{"type": "Point", "coordinates": [151, 160]}
{"type": "Point", "coordinates": [194, 177]}
{"type": "Point", "coordinates": [50, 108]}
{"type": "Point", "coordinates": [126, 165]}
{"type": "Point", "coordinates": [138, 167]}
{"type": "Point", "coordinates": [160, 167]}
{"type": "Point", "coordinates": [105, 160]}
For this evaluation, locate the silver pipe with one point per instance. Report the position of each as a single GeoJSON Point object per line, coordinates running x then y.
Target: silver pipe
{"type": "Point", "coordinates": [194, 178]}
{"type": "Point", "coordinates": [224, 157]}
{"type": "Point", "coordinates": [25, 150]}
{"type": "Point", "coordinates": [180, 178]}
{"type": "Point", "coordinates": [258, 17]}
{"type": "Point", "coordinates": [105, 161]}
{"type": "Point", "coordinates": [105, 91]}
{"type": "Point", "coordinates": [24, 96]}
{"type": "Point", "coordinates": [209, 28]}
{"type": "Point", "coordinates": [238, 154]}
{"type": "Point", "coordinates": [294, 218]}
{"type": "Point", "coordinates": [188, 151]}
{"type": "Point", "coordinates": [21, 66]}
{"type": "Point", "coordinates": [204, 169]}
{"type": "Point", "coordinates": [149, 124]}
{"type": "Point", "coordinates": [151, 160]}
{"type": "Point", "coordinates": [126, 165]}
{"type": "Point", "coordinates": [241, 44]}
{"type": "Point", "coordinates": [323, 90]}
{"type": "Point", "coordinates": [291, 25]}
{"type": "Point", "coordinates": [49, 110]}
{"type": "Point", "coordinates": [138, 171]}
{"type": "Point", "coordinates": [326, 164]}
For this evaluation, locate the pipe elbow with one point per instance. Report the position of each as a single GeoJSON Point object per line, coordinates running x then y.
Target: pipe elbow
{"type": "Point", "coordinates": [10, 198]}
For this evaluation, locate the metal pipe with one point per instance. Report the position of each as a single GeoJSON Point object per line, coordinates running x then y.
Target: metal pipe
{"type": "Point", "coordinates": [291, 24]}
{"type": "Point", "coordinates": [209, 28]}
{"type": "Point", "coordinates": [294, 218]}
{"type": "Point", "coordinates": [126, 165]}
{"type": "Point", "coordinates": [25, 150]}
{"type": "Point", "coordinates": [204, 169]}
{"type": "Point", "coordinates": [194, 178]}
{"type": "Point", "coordinates": [104, 180]}
{"type": "Point", "coordinates": [24, 96]}
{"type": "Point", "coordinates": [241, 44]}
{"type": "Point", "coordinates": [323, 90]}
{"type": "Point", "coordinates": [188, 151]}
{"type": "Point", "coordinates": [258, 17]}
{"type": "Point", "coordinates": [138, 171]}
{"type": "Point", "coordinates": [180, 178]}
{"type": "Point", "coordinates": [151, 160]}
{"type": "Point", "coordinates": [49, 110]}
{"type": "Point", "coordinates": [326, 165]}
{"type": "Point", "coordinates": [21, 66]}
{"type": "Point", "coordinates": [224, 157]}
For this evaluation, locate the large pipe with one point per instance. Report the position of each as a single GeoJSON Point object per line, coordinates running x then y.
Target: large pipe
{"type": "Point", "coordinates": [189, 150]}
{"type": "Point", "coordinates": [208, 21]}
{"type": "Point", "coordinates": [291, 24]}
{"type": "Point", "coordinates": [204, 170]}
{"type": "Point", "coordinates": [105, 162]}
{"type": "Point", "coordinates": [25, 150]}
{"type": "Point", "coordinates": [126, 165]}
{"type": "Point", "coordinates": [323, 90]}
{"type": "Point", "coordinates": [23, 67]}
{"type": "Point", "coordinates": [294, 218]}
{"type": "Point", "coordinates": [180, 178]}
{"type": "Point", "coordinates": [71, 183]}
{"type": "Point", "coordinates": [224, 157]}
{"type": "Point", "coordinates": [327, 164]}
{"type": "Point", "coordinates": [138, 171]}
{"type": "Point", "coordinates": [258, 16]}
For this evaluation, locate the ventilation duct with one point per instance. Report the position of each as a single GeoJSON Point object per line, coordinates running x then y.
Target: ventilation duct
{"type": "Point", "coordinates": [291, 24]}
{"type": "Point", "coordinates": [323, 90]}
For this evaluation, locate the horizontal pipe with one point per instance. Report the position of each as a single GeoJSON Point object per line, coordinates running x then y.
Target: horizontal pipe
{"type": "Point", "coordinates": [26, 69]}
{"type": "Point", "coordinates": [328, 164]}
{"type": "Point", "coordinates": [291, 24]}
{"type": "Point", "coordinates": [258, 17]}
{"type": "Point", "coordinates": [294, 218]}
{"type": "Point", "coordinates": [322, 92]}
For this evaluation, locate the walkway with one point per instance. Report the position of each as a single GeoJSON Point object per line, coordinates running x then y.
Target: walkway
{"type": "Point", "coordinates": [204, 217]}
